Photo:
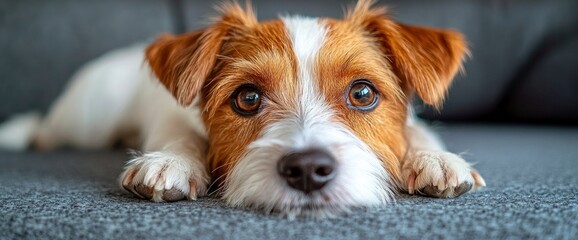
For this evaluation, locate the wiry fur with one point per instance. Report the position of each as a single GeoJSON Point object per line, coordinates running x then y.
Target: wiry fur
{"type": "Point", "coordinates": [190, 135]}
{"type": "Point", "coordinates": [310, 122]}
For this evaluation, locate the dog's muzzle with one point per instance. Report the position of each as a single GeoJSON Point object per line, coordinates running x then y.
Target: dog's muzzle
{"type": "Point", "coordinates": [308, 170]}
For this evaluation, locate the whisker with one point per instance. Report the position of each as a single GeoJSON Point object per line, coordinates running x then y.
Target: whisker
{"type": "Point", "coordinates": [226, 164]}
{"type": "Point", "coordinates": [215, 181]}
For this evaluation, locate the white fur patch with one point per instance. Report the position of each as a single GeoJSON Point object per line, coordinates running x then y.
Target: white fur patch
{"type": "Point", "coordinates": [18, 131]}
{"type": "Point", "coordinates": [443, 170]}
{"type": "Point", "coordinates": [361, 178]}
{"type": "Point", "coordinates": [165, 170]}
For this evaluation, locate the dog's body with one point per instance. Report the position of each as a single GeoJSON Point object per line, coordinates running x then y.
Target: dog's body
{"type": "Point", "coordinates": [297, 115]}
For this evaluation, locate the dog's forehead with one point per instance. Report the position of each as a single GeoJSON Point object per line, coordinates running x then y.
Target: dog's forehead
{"type": "Point", "coordinates": [307, 44]}
{"type": "Point", "coordinates": [307, 35]}
{"type": "Point", "coordinates": [285, 55]}
{"type": "Point", "coordinates": [277, 52]}
{"type": "Point", "coordinates": [273, 55]}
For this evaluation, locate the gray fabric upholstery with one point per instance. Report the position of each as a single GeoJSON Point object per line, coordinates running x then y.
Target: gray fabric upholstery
{"type": "Point", "coordinates": [42, 43]}
{"type": "Point", "coordinates": [531, 194]}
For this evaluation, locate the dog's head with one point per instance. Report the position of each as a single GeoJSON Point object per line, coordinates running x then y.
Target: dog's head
{"type": "Point", "coordinates": [307, 115]}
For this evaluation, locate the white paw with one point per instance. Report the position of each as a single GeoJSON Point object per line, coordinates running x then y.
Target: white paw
{"type": "Point", "coordinates": [440, 174]}
{"type": "Point", "coordinates": [162, 176]}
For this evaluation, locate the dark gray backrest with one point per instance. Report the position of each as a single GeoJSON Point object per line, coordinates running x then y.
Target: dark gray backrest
{"type": "Point", "coordinates": [42, 43]}
{"type": "Point", "coordinates": [524, 61]}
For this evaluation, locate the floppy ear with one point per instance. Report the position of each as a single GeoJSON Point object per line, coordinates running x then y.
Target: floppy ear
{"type": "Point", "coordinates": [183, 63]}
{"type": "Point", "coordinates": [426, 59]}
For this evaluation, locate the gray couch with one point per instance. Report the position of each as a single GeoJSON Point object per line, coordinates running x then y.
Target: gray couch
{"type": "Point", "coordinates": [514, 112]}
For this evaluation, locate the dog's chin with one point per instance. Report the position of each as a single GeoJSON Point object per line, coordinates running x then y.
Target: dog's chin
{"type": "Point", "coordinates": [316, 211]}
{"type": "Point", "coordinates": [308, 206]}
{"type": "Point", "coordinates": [323, 204]}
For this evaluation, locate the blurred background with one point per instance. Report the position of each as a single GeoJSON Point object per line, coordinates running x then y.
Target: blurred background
{"type": "Point", "coordinates": [524, 65]}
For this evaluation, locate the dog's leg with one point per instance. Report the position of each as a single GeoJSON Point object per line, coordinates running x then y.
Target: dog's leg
{"type": "Point", "coordinates": [172, 167]}
{"type": "Point", "coordinates": [430, 170]}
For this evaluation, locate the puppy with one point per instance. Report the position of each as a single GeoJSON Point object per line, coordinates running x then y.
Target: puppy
{"type": "Point", "coordinates": [298, 115]}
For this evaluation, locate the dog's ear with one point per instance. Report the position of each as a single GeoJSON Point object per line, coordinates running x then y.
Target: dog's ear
{"type": "Point", "coordinates": [183, 63]}
{"type": "Point", "coordinates": [425, 58]}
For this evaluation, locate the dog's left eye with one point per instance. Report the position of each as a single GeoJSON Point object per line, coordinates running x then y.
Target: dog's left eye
{"type": "Point", "coordinates": [246, 100]}
{"type": "Point", "coordinates": [362, 95]}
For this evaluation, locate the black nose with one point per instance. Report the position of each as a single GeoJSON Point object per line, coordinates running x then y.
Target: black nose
{"type": "Point", "coordinates": [308, 170]}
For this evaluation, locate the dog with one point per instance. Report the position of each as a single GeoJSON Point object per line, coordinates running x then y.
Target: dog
{"type": "Point", "coordinates": [297, 115]}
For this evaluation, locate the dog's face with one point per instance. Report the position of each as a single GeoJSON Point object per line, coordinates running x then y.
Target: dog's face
{"type": "Point", "coordinates": [307, 115]}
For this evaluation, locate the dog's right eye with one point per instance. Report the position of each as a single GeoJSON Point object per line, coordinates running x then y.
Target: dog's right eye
{"type": "Point", "coordinates": [246, 100]}
{"type": "Point", "coordinates": [362, 95]}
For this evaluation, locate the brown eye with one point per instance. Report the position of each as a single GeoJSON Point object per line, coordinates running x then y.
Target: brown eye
{"type": "Point", "coordinates": [246, 100]}
{"type": "Point", "coordinates": [362, 95]}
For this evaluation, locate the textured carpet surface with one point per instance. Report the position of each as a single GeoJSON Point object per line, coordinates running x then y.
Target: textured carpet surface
{"type": "Point", "coordinates": [532, 191]}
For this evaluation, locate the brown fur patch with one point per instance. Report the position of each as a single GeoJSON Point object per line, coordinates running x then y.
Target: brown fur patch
{"type": "Point", "coordinates": [425, 59]}
{"type": "Point", "coordinates": [184, 62]}
{"type": "Point", "coordinates": [350, 54]}
{"type": "Point", "coordinates": [395, 58]}
{"type": "Point", "coordinates": [260, 55]}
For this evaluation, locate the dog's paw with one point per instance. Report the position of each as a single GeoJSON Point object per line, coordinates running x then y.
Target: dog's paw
{"type": "Point", "coordinates": [161, 176]}
{"type": "Point", "coordinates": [440, 174]}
